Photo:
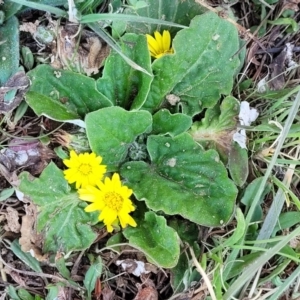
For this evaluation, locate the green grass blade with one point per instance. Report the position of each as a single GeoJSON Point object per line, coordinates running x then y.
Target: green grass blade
{"type": "Point", "coordinates": [54, 10]}
{"type": "Point", "coordinates": [256, 265]}
{"type": "Point", "coordinates": [129, 18]}
{"type": "Point", "coordinates": [286, 284]}
{"type": "Point", "coordinates": [107, 38]}
{"type": "Point", "coordinates": [237, 285]}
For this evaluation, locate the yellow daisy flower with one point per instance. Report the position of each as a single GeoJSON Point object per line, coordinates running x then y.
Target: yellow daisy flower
{"type": "Point", "coordinates": [112, 199]}
{"type": "Point", "coordinates": [160, 45]}
{"type": "Point", "coordinates": [84, 169]}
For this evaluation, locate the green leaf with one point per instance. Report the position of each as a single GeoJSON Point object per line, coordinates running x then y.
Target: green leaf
{"type": "Point", "coordinates": [241, 263]}
{"type": "Point", "coordinates": [9, 49]}
{"type": "Point", "coordinates": [48, 107]}
{"type": "Point", "coordinates": [24, 295]}
{"type": "Point", "coordinates": [237, 234]}
{"type": "Point", "coordinates": [286, 21]}
{"type": "Point", "coordinates": [72, 93]}
{"type": "Point", "coordinates": [183, 179]}
{"type": "Point", "coordinates": [104, 35]}
{"type": "Point", "coordinates": [238, 164]}
{"type": "Point", "coordinates": [10, 8]}
{"type": "Point", "coordinates": [27, 258]}
{"type": "Point", "coordinates": [159, 242]}
{"type": "Point", "coordinates": [200, 75]}
{"type": "Point", "coordinates": [27, 57]}
{"type": "Point", "coordinates": [11, 291]}
{"type": "Point", "coordinates": [249, 195]}
{"type": "Point", "coordinates": [54, 290]}
{"type": "Point", "coordinates": [215, 130]}
{"type": "Point", "coordinates": [111, 131]}
{"type": "Point", "coordinates": [179, 273]}
{"type": "Point", "coordinates": [287, 220]}
{"type": "Point", "coordinates": [187, 231]}
{"type": "Point", "coordinates": [61, 217]}
{"type": "Point", "coordinates": [6, 193]}
{"type": "Point", "coordinates": [92, 274]}
{"type": "Point", "coordinates": [173, 124]}
{"type": "Point", "coordinates": [120, 83]}
{"type": "Point", "coordinates": [60, 264]}
{"type": "Point", "coordinates": [176, 11]}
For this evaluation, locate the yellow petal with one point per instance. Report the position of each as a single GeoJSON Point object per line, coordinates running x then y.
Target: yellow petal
{"type": "Point", "coordinates": [166, 38]}
{"type": "Point", "coordinates": [152, 44]}
{"type": "Point", "coordinates": [159, 41]}
{"type": "Point", "coordinates": [93, 207]}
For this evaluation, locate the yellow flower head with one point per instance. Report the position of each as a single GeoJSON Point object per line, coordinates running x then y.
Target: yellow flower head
{"type": "Point", "coordinates": [160, 45]}
{"type": "Point", "coordinates": [112, 199]}
{"type": "Point", "coordinates": [84, 169]}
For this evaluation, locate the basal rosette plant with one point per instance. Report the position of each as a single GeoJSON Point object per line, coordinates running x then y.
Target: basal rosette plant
{"type": "Point", "coordinates": [140, 126]}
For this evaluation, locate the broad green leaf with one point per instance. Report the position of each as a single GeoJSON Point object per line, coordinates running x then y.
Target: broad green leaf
{"type": "Point", "coordinates": [217, 127]}
{"type": "Point", "coordinates": [287, 220]}
{"type": "Point", "coordinates": [50, 2]}
{"type": "Point", "coordinates": [159, 242]}
{"type": "Point", "coordinates": [11, 291]}
{"type": "Point", "coordinates": [24, 295]}
{"type": "Point", "coordinates": [249, 195]}
{"type": "Point", "coordinates": [61, 217]}
{"type": "Point", "coordinates": [43, 105]}
{"type": "Point", "coordinates": [173, 124]}
{"type": "Point", "coordinates": [92, 274]}
{"type": "Point", "coordinates": [183, 179]}
{"type": "Point", "coordinates": [26, 257]}
{"type": "Point", "coordinates": [6, 193]}
{"type": "Point", "coordinates": [60, 264]}
{"type": "Point", "coordinates": [111, 130]}
{"type": "Point", "coordinates": [104, 35]}
{"type": "Point", "coordinates": [10, 8]}
{"type": "Point", "coordinates": [176, 11]}
{"type": "Point", "coordinates": [187, 231]}
{"type": "Point", "coordinates": [200, 70]}
{"type": "Point", "coordinates": [9, 49]}
{"type": "Point", "coordinates": [238, 164]}
{"type": "Point", "coordinates": [120, 83]}
{"type": "Point", "coordinates": [179, 273]}
{"type": "Point", "coordinates": [74, 93]}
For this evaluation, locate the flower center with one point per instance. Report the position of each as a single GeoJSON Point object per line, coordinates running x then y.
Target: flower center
{"type": "Point", "coordinates": [113, 200]}
{"type": "Point", "coordinates": [85, 169]}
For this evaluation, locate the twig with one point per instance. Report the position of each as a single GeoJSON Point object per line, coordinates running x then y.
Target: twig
{"type": "Point", "coordinates": [43, 275]}
{"type": "Point", "coordinates": [203, 274]}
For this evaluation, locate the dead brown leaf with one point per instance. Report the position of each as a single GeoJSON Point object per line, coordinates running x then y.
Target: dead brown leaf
{"type": "Point", "coordinates": [108, 294]}
{"type": "Point", "coordinates": [290, 4]}
{"type": "Point", "coordinates": [278, 67]}
{"type": "Point", "coordinates": [30, 241]}
{"type": "Point", "coordinates": [12, 218]}
{"type": "Point", "coordinates": [17, 83]}
{"type": "Point", "coordinates": [29, 27]}
{"type": "Point", "coordinates": [147, 293]}
{"type": "Point", "coordinates": [85, 55]}
{"type": "Point", "coordinates": [16, 277]}
{"type": "Point", "coordinates": [25, 154]}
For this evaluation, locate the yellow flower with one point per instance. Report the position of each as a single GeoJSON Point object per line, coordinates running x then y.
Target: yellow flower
{"type": "Point", "coordinates": [160, 45]}
{"type": "Point", "coordinates": [112, 199]}
{"type": "Point", "coordinates": [84, 169]}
